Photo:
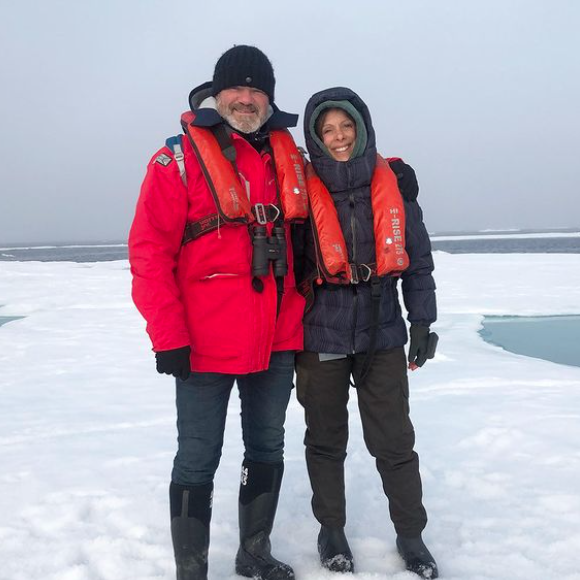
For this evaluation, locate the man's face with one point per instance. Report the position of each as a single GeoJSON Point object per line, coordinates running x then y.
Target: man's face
{"type": "Point", "coordinates": [244, 108]}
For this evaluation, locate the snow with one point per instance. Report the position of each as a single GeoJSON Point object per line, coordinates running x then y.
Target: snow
{"type": "Point", "coordinates": [87, 437]}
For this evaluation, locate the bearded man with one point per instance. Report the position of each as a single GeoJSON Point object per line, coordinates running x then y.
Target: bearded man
{"type": "Point", "coordinates": [211, 259]}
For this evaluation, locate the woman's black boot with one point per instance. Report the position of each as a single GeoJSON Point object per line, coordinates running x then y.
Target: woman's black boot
{"type": "Point", "coordinates": [259, 492]}
{"type": "Point", "coordinates": [335, 554]}
{"type": "Point", "coordinates": [190, 518]}
{"type": "Point", "coordinates": [417, 557]}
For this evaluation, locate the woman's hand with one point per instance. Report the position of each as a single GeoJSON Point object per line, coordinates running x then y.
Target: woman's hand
{"type": "Point", "coordinates": [423, 345]}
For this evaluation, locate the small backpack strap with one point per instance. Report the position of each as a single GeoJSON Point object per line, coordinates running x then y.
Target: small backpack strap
{"type": "Point", "coordinates": [174, 143]}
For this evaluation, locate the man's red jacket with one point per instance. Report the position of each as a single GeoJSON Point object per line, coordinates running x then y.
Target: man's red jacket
{"type": "Point", "coordinates": [200, 294]}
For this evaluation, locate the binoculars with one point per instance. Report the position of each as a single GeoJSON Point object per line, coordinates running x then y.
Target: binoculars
{"type": "Point", "coordinates": [268, 249]}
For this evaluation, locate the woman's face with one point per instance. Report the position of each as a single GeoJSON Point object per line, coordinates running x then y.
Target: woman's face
{"type": "Point", "coordinates": [338, 133]}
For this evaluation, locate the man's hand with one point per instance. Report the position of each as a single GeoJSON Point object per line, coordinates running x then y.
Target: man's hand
{"type": "Point", "coordinates": [174, 362]}
{"type": "Point", "coordinates": [423, 345]}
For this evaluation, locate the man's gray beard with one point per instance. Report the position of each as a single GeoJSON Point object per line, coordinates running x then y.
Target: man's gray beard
{"type": "Point", "coordinates": [247, 126]}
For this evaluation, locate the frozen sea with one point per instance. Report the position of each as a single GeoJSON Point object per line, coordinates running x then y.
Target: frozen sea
{"type": "Point", "coordinates": [87, 436]}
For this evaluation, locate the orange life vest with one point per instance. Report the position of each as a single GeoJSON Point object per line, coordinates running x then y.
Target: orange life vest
{"type": "Point", "coordinates": [230, 196]}
{"type": "Point", "coordinates": [389, 229]}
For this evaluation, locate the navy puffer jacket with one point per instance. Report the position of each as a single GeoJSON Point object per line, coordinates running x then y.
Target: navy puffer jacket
{"type": "Point", "coordinates": [340, 317]}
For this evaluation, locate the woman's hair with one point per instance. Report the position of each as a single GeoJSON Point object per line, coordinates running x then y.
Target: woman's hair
{"type": "Point", "coordinates": [322, 116]}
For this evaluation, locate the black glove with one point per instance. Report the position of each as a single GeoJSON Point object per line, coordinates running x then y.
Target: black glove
{"type": "Point", "coordinates": [174, 362]}
{"type": "Point", "coordinates": [406, 179]}
{"type": "Point", "coordinates": [423, 344]}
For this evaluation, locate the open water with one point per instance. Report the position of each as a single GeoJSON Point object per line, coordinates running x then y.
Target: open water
{"type": "Point", "coordinates": [553, 338]}
{"type": "Point", "coordinates": [507, 245]}
{"type": "Point", "coordinates": [5, 319]}
{"type": "Point", "coordinates": [549, 242]}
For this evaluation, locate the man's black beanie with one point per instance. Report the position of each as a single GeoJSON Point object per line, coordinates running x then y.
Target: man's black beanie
{"type": "Point", "coordinates": [244, 66]}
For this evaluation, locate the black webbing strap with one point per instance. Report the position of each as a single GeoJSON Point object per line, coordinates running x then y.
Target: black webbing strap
{"type": "Point", "coordinates": [279, 222]}
{"type": "Point", "coordinates": [194, 230]}
{"type": "Point", "coordinates": [376, 287]}
{"type": "Point", "coordinates": [280, 295]}
{"type": "Point", "coordinates": [220, 132]}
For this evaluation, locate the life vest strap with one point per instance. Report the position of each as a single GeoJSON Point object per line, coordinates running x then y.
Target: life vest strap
{"type": "Point", "coordinates": [174, 143]}
{"type": "Point", "coordinates": [376, 291]}
{"type": "Point", "coordinates": [180, 159]}
{"type": "Point", "coordinates": [264, 213]}
{"type": "Point", "coordinates": [194, 230]}
{"type": "Point", "coordinates": [223, 137]}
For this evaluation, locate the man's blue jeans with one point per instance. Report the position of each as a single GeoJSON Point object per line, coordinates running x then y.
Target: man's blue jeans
{"type": "Point", "coordinates": [202, 402]}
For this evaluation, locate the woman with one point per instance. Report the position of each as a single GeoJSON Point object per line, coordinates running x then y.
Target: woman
{"type": "Point", "coordinates": [364, 233]}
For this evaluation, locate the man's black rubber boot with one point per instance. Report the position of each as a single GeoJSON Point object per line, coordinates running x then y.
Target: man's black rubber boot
{"type": "Point", "coordinates": [335, 554]}
{"type": "Point", "coordinates": [190, 518]}
{"type": "Point", "coordinates": [259, 492]}
{"type": "Point", "coordinates": [417, 557]}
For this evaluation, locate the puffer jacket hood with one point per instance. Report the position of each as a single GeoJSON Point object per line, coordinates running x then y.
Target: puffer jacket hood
{"type": "Point", "coordinates": [341, 175]}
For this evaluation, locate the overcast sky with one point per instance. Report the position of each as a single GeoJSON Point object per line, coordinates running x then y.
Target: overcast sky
{"type": "Point", "coordinates": [481, 97]}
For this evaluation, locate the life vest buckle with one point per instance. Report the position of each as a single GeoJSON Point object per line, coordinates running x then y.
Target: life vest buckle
{"type": "Point", "coordinates": [276, 211]}
{"type": "Point", "coordinates": [354, 279]}
{"type": "Point", "coordinates": [366, 272]}
{"type": "Point", "coordinates": [265, 213]}
{"type": "Point", "coordinates": [260, 213]}
{"type": "Point", "coordinates": [360, 273]}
